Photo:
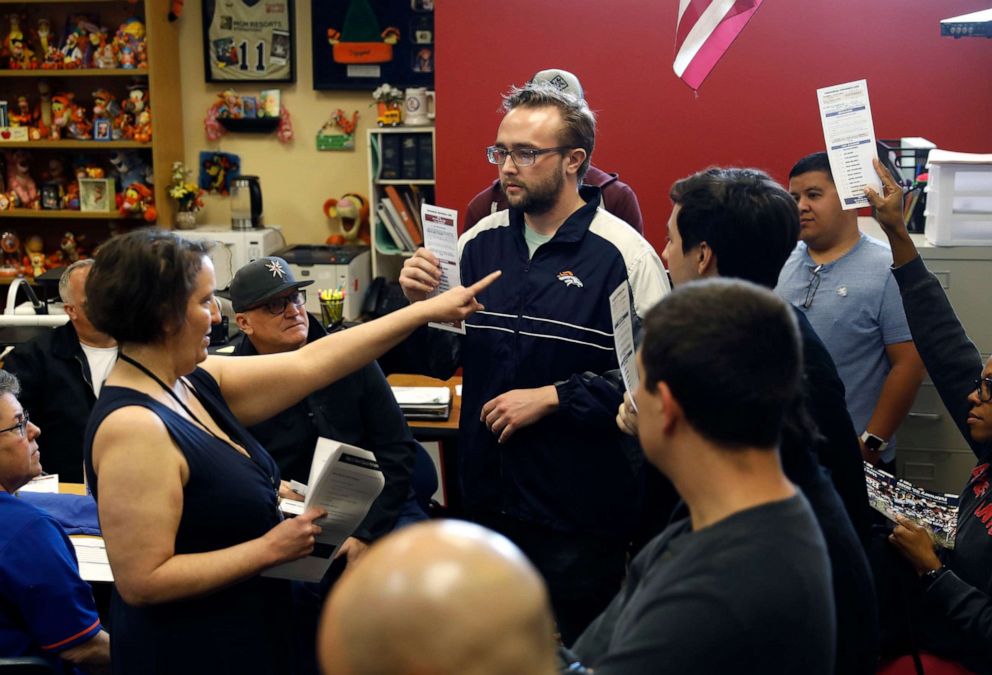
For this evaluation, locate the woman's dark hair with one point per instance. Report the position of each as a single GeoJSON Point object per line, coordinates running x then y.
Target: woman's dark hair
{"type": "Point", "coordinates": [729, 351]}
{"type": "Point", "coordinates": [141, 283]}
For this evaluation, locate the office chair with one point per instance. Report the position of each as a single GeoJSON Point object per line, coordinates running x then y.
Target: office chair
{"type": "Point", "coordinates": [424, 479]}
{"type": "Point", "coordinates": [25, 665]}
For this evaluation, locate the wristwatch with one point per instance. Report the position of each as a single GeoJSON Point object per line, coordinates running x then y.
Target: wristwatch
{"type": "Point", "coordinates": [873, 443]}
{"type": "Point", "coordinates": [930, 576]}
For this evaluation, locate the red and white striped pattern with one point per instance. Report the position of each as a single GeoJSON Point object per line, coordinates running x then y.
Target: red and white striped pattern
{"type": "Point", "coordinates": [705, 30]}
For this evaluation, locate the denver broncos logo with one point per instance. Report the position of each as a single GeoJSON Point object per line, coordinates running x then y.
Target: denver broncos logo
{"type": "Point", "coordinates": [980, 479]}
{"type": "Point", "coordinates": [569, 279]}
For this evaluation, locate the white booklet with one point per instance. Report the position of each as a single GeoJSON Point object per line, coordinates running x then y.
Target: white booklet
{"type": "Point", "coordinates": [344, 481]}
{"type": "Point", "coordinates": [623, 338]}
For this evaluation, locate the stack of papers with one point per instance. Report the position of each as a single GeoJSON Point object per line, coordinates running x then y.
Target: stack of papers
{"type": "Point", "coordinates": [344, 481]}
{"type": "Point", "coordinates": [45, 484]}
{"type": "Point", "coordinates": [424, 403]}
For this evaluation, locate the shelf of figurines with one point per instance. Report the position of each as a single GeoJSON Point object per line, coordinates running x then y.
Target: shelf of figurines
{"type": "Point", "coordinates": [58, 2]}
{"type": "Point", "coordinates": [64, 213]}
{"type": "Point", "coordinates": [73, 145]}
{"type": "Point", "coordinates": [78, 72]}
{"type": "Point", "coordinates": [34, 45]}
{"type": "Point", "coordinates": [255, 125]}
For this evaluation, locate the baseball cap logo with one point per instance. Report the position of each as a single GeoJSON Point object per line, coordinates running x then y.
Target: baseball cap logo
{"type": "Point", "coordinates": [559, 83]}
{"type": "Point", "coordinates": [275, 267]}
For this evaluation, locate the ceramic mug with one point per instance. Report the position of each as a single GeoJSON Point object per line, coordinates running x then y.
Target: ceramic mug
{"type": "Point", "coordinates": [419, 106]}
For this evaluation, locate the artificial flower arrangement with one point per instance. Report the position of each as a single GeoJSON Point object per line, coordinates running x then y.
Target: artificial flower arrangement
{"type": "Point", "coordinates": [188, 195]}
{"type": "Point", "coordinates": [387, 93]}
{"type": "Point", "coordinates": [387, 99]}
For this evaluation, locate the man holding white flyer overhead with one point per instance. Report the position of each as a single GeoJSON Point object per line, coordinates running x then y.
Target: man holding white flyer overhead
{"type": "Point", "coordinates": [540, 458]}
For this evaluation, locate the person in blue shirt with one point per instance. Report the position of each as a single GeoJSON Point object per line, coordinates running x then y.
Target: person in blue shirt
{"type": "Point", "coordinates": [45, 608]}
{"type": "Point", "coordinates": [838, 277]}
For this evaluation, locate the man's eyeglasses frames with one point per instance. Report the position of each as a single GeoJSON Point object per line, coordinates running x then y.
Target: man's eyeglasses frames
{"type": "Point", "coordinates": [22, 426]}
{"type": "Point", "coordinates": [278, 305]}
{"type": "Point", "coordinates": [520, 156]}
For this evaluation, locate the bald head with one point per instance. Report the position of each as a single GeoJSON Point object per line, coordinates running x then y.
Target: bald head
{"type": "Point", "coordinates": [439, 598]}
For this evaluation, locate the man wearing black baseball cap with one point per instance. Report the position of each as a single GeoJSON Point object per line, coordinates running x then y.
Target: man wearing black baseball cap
{"type": "Point", "coordinates": [263, 280]}
{"type": "Point", "coordinates": [358, 409]}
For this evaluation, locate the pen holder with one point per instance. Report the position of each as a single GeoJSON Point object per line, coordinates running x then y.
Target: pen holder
{"type": "Point", "coordinates": [331, 311]}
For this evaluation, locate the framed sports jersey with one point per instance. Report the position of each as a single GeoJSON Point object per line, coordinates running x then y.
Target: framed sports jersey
{"type": "Point", "coordinates": [249, 40]}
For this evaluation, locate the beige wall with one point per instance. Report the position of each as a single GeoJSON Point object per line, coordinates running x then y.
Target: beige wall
{"type": "Point", "coordinates": [296, 178]}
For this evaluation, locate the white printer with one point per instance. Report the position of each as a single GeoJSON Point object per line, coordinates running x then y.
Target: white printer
{"type": "Point", "coordinates": [348, 268]}
{"type": "Point", "coordinates": [233, 249]}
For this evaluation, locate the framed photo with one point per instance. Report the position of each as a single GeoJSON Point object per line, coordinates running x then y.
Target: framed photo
{"type": "Point", "coordinates": [96, 194]}
{"type": "Point", "coordinates": [249, 40]}
{"type": "Point", "coordinates": [249, 106]}
{"type": "Point", "coordinates": [101, 129]}
{"type": "Point", "coordinates": [51, 196]}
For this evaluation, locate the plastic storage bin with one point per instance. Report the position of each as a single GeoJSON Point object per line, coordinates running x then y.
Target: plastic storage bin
{"type": "Point", "coordinates": [959, 199]}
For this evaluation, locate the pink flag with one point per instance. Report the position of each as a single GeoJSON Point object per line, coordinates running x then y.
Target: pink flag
{"type": "Point", "coordinates": [704, 32]}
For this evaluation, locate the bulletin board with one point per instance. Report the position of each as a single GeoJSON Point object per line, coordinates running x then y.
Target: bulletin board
{"type": "Point", "coordinates": [361, 23]}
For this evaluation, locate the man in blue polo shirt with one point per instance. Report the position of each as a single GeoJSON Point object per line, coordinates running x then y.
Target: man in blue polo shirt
{"type": "Point", "coordinates": [839, 278]}
{"type": "Point", "coordinates": [45, 608]}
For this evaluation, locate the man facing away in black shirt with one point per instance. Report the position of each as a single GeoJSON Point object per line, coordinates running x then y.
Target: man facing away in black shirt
{"type": "Point", "coordinates": [743, 584]}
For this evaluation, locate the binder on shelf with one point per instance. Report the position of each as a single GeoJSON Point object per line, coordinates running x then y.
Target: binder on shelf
{"type": "Point", "coordinates": [425, 157]}
{"type": "Point", "coordinates": [408, 156]}
{"type": "Point", "coordinates": [396, 228]}
{"type": "Point", "coordinates": [390, 146]}
{"type": "Point", "coordinates": [383, 240]}
{"type": "Point", "coordinates": [387, 223]}
{"type": "Point", "coordinates": [413, 206]}
{"type": "Point", "coordinates": [406, 219]}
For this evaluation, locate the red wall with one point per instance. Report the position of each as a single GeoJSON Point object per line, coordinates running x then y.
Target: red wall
{"type": "Point", "coordinates": [757, 108]}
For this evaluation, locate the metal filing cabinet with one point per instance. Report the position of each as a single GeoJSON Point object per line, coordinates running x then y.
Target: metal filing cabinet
{"type": "Point", "coordinates": [931, 452]}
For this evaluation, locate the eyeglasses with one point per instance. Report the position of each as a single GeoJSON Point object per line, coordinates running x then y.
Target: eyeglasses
{"type": "Point", "coordinates": [521, 156]}
{"type": "Point", "coordinates": [983, 386]}
{"type": "Point", "coordinates": [278, 305]}
{"type": "Point", "coordinates": [814, 283]}
{"type": "Point", "coordinates": [21, 426]}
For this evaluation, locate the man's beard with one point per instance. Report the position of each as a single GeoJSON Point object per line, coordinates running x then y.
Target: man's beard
{"type": "Point", "coordinates": [538, 198]}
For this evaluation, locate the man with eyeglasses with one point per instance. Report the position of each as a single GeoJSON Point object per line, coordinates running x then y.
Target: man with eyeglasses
{"type": "Point", "coordinates": [358, 409]}
{"type": "Point", "coordinates": [540, 458]}
{"type": "Point", "coordinates": [839, 278]}
{"type": "Point", "coordinates": [46, 610]}
{"type": "Point", "coordinates": [61, 373]}
{"type": "Point", "coordinates": [618, 197]}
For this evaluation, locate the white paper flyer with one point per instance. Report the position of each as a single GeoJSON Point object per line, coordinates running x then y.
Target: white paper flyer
{"type": "Point", "coordinates": [623, 338]}
{"type": "Point", "coordinates": [849, 134]}
{"type": "Point", "coordinates": [441, 239]}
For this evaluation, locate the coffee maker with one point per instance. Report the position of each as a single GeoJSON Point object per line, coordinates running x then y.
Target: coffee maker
{"type": "Point", "coordinates": [246, 203]}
